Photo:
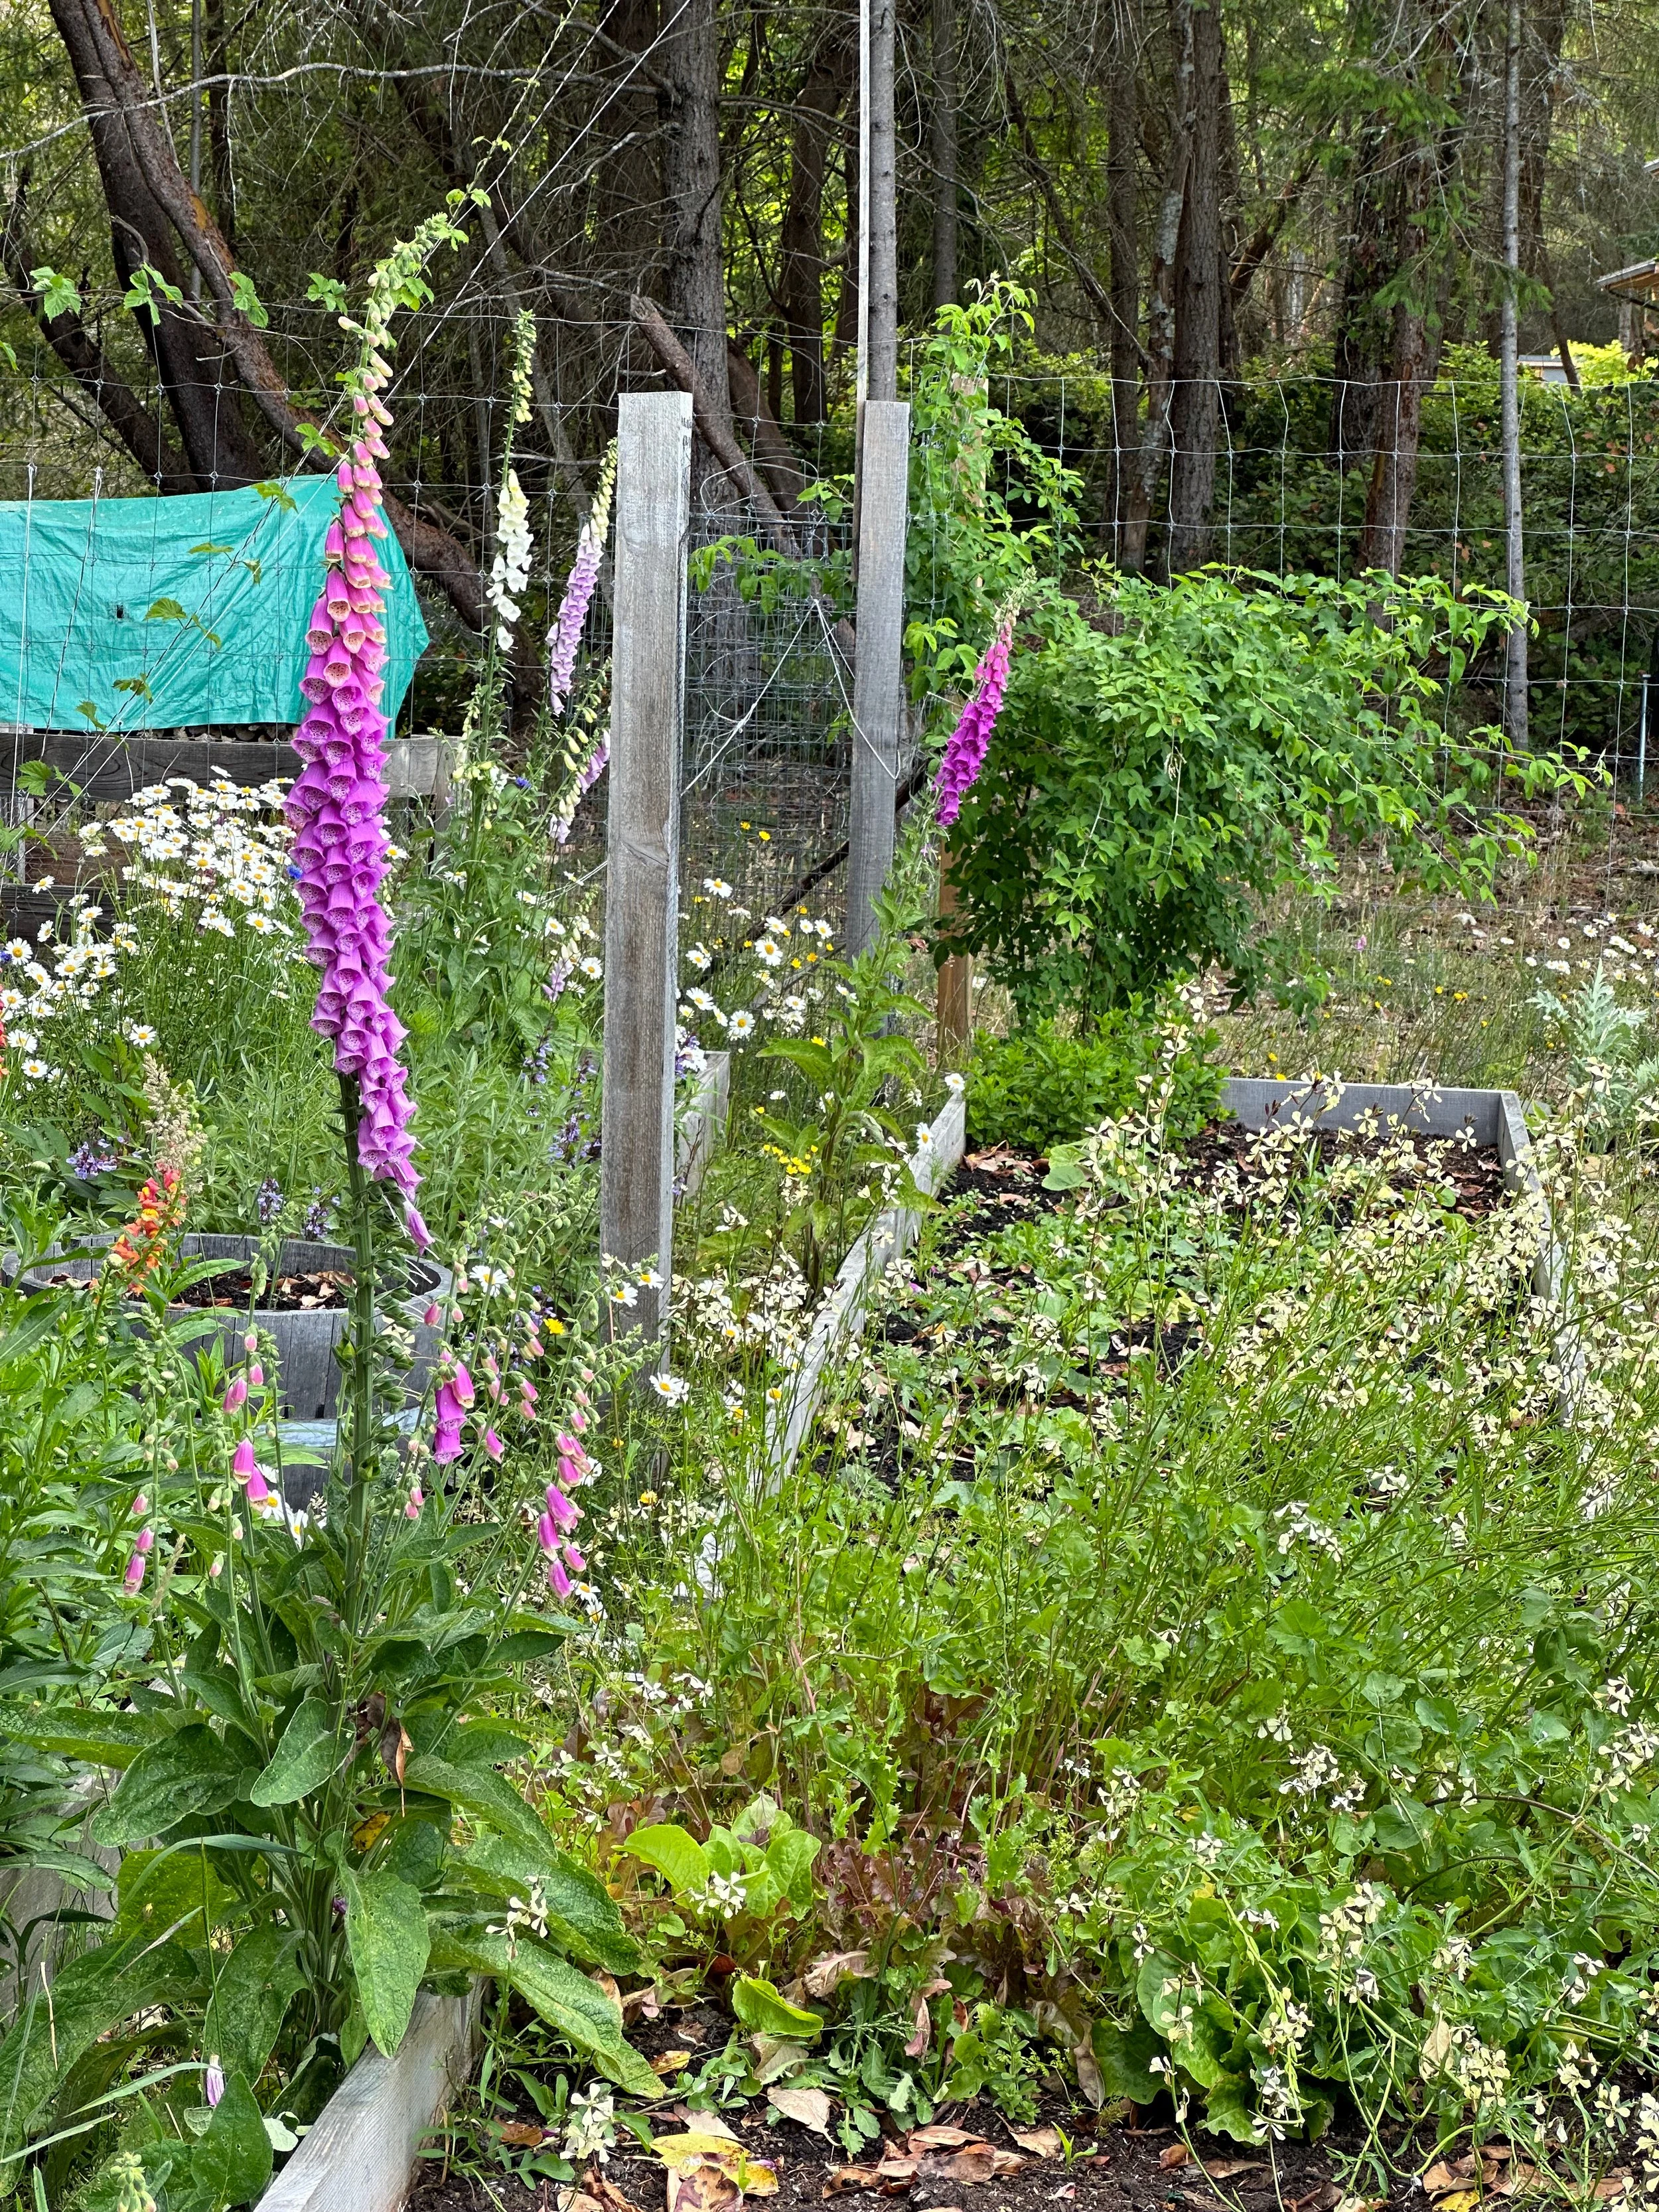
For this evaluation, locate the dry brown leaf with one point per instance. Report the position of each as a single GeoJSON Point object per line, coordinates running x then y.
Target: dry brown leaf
{"type": "Point", "coordinates": [1615, 2183]}
{"type": "Point", "coordinates": [1174, 2155]}
{"type": "Point", "coordinates": [578, 2200]}
{"type": "Point", "coordinates": [1203, 2204]}
{"type": "Point", "coordinates": [605, 2193]}
{"type": "Point", "coordinates": [1042, 2142]}
{"type": "Point", "coordinates": [940, 2137]}
{"type": "Point", "coordinates": [898, 2166]}
{"type": "Point", "coordinates": [1224, 2169]}
{"type": "Point", "coordinates": [1447, 2174]}
{"type": "Point", "coordinates": [689, 2154]}
{"type": "Point", "coordinates": [1316, 2200]}
{"type": "Point", "coordinates": [858, 2177]}
{"type": "Point", "coordinates": [528, 2133]}
{"type": "Point", "coordinates": [976, 2162]}
{"type": "Point", "coordinates": [825, 1976]}
{"type": "Point", "coordinates": [808, 2108]}
{"type": "Point", "coordinates": [704, 2188]}
{"type": "Point", "coordinates": [703, 2123]}
{"type": "Point", "coordinates": [1515, 2180]}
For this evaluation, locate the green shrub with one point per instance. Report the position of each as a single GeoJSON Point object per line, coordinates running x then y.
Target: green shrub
{"type": "Point", "coordinates": [1039, 1087]}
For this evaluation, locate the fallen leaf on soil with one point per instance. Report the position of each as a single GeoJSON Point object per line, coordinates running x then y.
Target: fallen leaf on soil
{"type": "Point", "coordinates": [1515, 2180]}
{"type": "Point", "coordinates": [671, 2062]}
{"type": "Point", "coordinates": [526, 2132]}
{"type": "Point", "coordinates": [939, 2138]}
{"type": "Point", "coordinates": [1224, 2169]}
{"type": "Point", "coordinates": [1320, 2200]}
{"type": "Point", "coordinates": [898, 2166]}
{"type": "Point", "coordinates": [642, 2004]}
{"type": "Point", "coordinates": [861, 2177]}
{"type": "Point", "coordinates": [808, 2108]}
{"type": "Point", "coordinates": [825, 1976]}
{"type": "Point", "coordinates": [976, 2162]}
{"type": "Point", "coordinates": [692, 2155]}
{"type": "Point", "coordinates": [702, 2124]}
{"type": "Point", "coordinates": [604, 2193]}
{"type": "Point", "coordinates": [703, 2189]}
{"type": "Point", "coordinates": [578, 2200]}
{"type": "Point", "coordinates": [1615, 2183]}
{"type": "Point", "coordinates": [1177, 2154]}
{"type": "Point", "coordinates": [1459, 2200]}
{"type": "Point", "coordinates": [1447, 2174]}
{"type": "Point", "coordinates": [1042, 2142]}
{"type": "Point", "coordinates": [1203, 2204]}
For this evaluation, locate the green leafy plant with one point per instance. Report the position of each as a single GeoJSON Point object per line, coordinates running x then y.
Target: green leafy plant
{"type": "Point", "coordinates": [1040, 1087]}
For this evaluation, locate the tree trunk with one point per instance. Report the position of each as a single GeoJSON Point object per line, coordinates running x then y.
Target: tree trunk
{"type": "Point", "coordinates": [696, 282]}
{"type": "Point", "coordinates": [218, 121]}
{"type": "Point", "coordinates": [943, 137]}
{"type": "Point", "coordinates": [822, 95]}
{"type": "Point", "coordinates": [1160, 305]}
{"type": "Point", "coordinates": [1194, 408]}
{"type": "Point", "coordinates": [1123, 126]}
{"type": "Point", "coordinates": [190, 361]}
{"type": "Point", "coordinates": [1362, 328]}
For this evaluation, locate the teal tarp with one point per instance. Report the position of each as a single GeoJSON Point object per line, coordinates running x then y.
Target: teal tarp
{"type": "Point", "coordinates": [80, 624]}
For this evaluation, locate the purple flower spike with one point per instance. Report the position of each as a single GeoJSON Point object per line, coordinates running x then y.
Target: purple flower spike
{"type": "Point", "coordinates": [566, 634]}
{"type": "Point", "coordinates": [965, 754]}
{"type": "Point", "coordinates": [213, 2082]}
{"type": "Point", "coordinates": [335, 809]}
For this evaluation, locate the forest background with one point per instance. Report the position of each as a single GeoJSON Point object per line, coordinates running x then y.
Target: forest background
{"type": "Point", "coordinates": [1196, 198]}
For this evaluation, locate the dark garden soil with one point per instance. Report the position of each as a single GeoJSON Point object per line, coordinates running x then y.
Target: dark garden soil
{"type": "Point", "coordinates": [970, 2159]}
{"type": "Point", "coordinates": [322, 1289]}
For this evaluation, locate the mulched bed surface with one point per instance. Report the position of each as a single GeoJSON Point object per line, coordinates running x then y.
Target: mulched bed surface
{"type": "Point", "coordinates": [1123, 2175]}
{"type": "Point", "coordinates": [322, 1290]}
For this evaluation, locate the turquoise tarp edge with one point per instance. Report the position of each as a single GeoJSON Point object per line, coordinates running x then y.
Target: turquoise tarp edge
{"type": "Point", "coordinates": [84, 621]}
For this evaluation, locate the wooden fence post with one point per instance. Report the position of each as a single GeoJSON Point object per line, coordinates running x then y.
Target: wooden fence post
{"type": "Point", "coordinates": [877, 703]}
{"type": "Point", "coordinates": [641, 901]}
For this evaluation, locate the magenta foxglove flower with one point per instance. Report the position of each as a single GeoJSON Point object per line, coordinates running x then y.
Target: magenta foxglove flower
{"type": "Point", "coordinates": [213, 2082]}
{"type": "Point", "coordinates": [242, 1462]}
{"type": "Point", "coordinates": [492, 1443]}
{"type": "Point", "coordinates": [566, 634]}
{"type": "Point", "coordinates": [965, 751]}
{"type": "Point", "coordinates": [336, 809]}
{"type": "Point", "coordinates": [416, 1499]}
{"type": "Point", "coordinates": [143, 1545]}
{"type": "Point", "coordinates": [235, 1394]}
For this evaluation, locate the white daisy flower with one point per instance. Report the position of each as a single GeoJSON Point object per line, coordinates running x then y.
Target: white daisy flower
{"type": "Point", "coordinates": [591, 968]}
{"type": "Point", "coordinates": [670, 1387]}
{"type": "Point", "coordinates": [742, 1023]}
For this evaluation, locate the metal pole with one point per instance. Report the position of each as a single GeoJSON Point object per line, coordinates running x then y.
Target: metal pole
{"type": "Point", "coordinates": [877, 694]}
{"type": "Point", "coordinates": [641, 903]}
{"type": "Point", "coordinates": [1514, 656]}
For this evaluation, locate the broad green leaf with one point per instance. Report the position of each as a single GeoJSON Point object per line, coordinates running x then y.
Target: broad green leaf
{"type": "Point", "coordinates": [232, 2162]}
{"type": "Point", "coordinates": [100, 1739]}
{"type": "Point", "coordinates": [192, 1771]}
{"type": "Point", "coordinates": [679, 1858]}
{"type": "Point", "coordinates": [1124, 2056]}
{"type": "Point", "coordinates": [565, 1999]}
{"type": "Point", "coordinates": [759, 2007]}
{"type": "Point", "coordinates": [582, 1916]}
{"type": "Point", "coordinates": [89, 1995]}
{"type": "Point", "coordinates": [308, 1753]}
{"type": "Point", "coordinates": [162, 1893]}
{"type": "Point", "coordinates": [789, 1857]}
{"type": "Point", "coordinates": [257, 1981]}
{"type": "Point", "coordinates": [386, 1930]}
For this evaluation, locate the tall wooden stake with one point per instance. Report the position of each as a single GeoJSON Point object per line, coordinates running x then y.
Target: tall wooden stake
{"type": "Point", "coordinates": [878, 701]}
{"type": "Point", "coordinates": [1514, 579]}
{"type": "Point", "coordinates": [641, 903]}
